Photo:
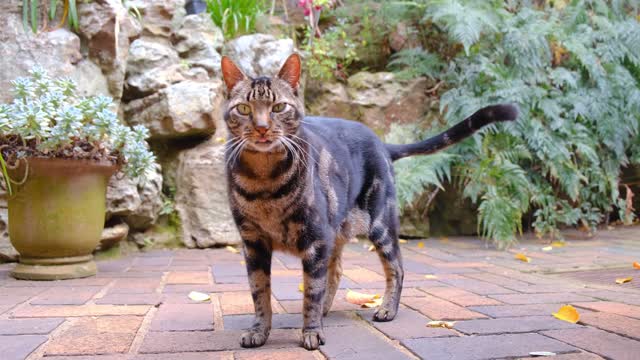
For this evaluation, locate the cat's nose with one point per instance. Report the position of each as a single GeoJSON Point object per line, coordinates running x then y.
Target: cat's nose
{"type": "Point", "coordinates": [262, 129]}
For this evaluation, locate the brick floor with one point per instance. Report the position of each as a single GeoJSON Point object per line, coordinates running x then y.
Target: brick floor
{"type": "Point", "coordinates": [137, 307]}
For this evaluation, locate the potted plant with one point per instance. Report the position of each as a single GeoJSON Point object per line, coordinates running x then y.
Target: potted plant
{"type": "Point", "coordinates": [57, 153]}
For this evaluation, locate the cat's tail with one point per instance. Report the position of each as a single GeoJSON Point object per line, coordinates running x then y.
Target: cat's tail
{"type": "Point", "coordinates": [459, 132]}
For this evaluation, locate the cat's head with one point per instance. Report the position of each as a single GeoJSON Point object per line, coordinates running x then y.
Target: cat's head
{"type": "Point", "coordinates": [263, 110]}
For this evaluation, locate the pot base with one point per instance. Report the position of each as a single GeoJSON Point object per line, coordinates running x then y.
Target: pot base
{"type": "Point", "coordinates": [55, 268]}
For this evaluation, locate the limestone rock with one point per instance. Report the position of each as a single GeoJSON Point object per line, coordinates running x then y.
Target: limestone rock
{"type": "Point", "coordinates": [108, 30]}
{"type": "Point", "coordinates": [138, 204]}
{"type": "Point", "coordinates": [152, 65]}
{"type": "Point", "coordinates": [198, 41]}
{"type": "Point", "coordinates": [186, 108]}
{"type": "Point", "coordinates": [159, 16]}
{"type": "Point", "coordinates": [259, 54]}
{"type": "Point", "coordinates": [376, 99]}
{"type": "Point", "coordinates": [150, 193]}
{"type": "Point", "coordinates": [113, 235]}
{"type": "Point", "coordinates": [7, 252]}
{"type": "Point", "coordinates": [201, 197]}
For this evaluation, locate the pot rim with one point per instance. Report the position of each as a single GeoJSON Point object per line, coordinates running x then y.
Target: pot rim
{"type": "Point", "coordinates": [63, 166]}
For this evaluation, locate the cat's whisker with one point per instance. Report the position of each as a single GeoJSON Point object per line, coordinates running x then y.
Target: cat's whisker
{"type": "Point", "coordinates": [295, 151]}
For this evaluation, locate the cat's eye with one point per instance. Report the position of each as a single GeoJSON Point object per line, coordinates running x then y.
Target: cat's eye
{"type": "Point", "coordinates": [244, 109]}
{"type": "Point", "coordinates": [278, 107]}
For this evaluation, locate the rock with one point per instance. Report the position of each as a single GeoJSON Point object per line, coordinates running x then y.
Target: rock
{"type": "Point", "coordinates": [57, 51]}
{"type": "Point", "coordinates": [152, 65]}
{"type": "Point", "coordinates": [259, 54]}
{"type": "Point", "coordinates": [113, 235]}
{"type": "Point", "coordinates": [122, 197]}
{"type": "Point", "coordinates": [150, 193]}
{"type": "Point", "coordinates": [138, 204]}
{"type": "Point", "coordinates": [376, 99]}
{"type": "Point", "coordinates": [403, 37]}
{"type": "Point", "coordinates": [159, 16]}
{"type": "Point", "coordinates": [198, 41]}
{"type": "Point", "coordinates": [7, 252]}
{"type": "Point", "coordinates": [183, 109]}
{"type": "Point", "coordinates": [108, 30]}
{"type": "Point", "coordinates": [201, 197]}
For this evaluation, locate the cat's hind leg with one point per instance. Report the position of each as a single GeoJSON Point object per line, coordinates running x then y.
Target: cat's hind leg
{"type": "Point", "coordinates": [333, 275]}
{"type": "Point", "coordinates": [384, 236]}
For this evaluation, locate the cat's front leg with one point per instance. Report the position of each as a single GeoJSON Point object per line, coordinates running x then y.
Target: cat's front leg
{"type": "Point", "coordinates": [258, 259]}
{"type": "Point", "coordinates": [314, 264]}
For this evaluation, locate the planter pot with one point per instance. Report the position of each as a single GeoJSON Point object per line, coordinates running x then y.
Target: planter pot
{"type": "Point", "coordinates": [56, 217]}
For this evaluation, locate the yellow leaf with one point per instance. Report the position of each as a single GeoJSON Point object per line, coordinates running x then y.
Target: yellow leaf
{"type": "Point", "coordinates": [198, 296]}
{"type": "Point", "coordinates": [420, 245]}
{"type": "Point", "coordinates": [624, 280]}
{"type": "Point", "coordinates": [636, 265]}
{"type": "Point", "coordinates": [359, 298]}
{"type": "Point", "coordinates": [558, 244]}
{"type": "Point", "coordinates": [441, 324]}
{"type": "Point", "coordinates": [402, 241]}
{"type": "Point", "coordinates": [430, 277]}
{"type": "Point", "coordinates": [547, 248]}
{"type": "Point", "coordinates": [373, 303]}
{"type": "Point", "coordinates": [232, 249]}
{"type": "Point", "coordinates": [523, 257]}
{"type": "Point", "coordinates": [567, 313]}
{"type": "Point", "coordinates": [372, 248]}
{"type": "Point", "coordinates": [220, 140]}
{"type": "Point", "coordinates": [301, 287]}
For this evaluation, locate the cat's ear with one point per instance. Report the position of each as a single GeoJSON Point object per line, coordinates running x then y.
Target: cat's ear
{"type": "Point", "coordinates": [290, 71]}
{"type": "Point", "coordinates": [231, 73]}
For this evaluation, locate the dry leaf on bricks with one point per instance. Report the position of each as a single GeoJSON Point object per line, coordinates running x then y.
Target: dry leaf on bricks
{"type": "Point", "coordinates": [624, 280]}
{"type": "Point", "coordinates": [523, 257]}
{"type": "Point", "coordinates": [567, 313]}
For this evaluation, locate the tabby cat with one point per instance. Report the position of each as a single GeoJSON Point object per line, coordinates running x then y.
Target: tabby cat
{"type": "Point", "coordinates": [306, 185]}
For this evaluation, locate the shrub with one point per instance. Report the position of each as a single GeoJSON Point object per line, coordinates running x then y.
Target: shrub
{"type": "Point", "coordinates": [48, 119]}
{"type": "Point", "coordinates": [574, 70]}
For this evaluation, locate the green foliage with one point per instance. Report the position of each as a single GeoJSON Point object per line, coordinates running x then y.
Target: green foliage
{"type": "Point", "coordinates": [329, 56]}
{"type": "Point", "coordinates": [235, 16]}
{"type": "Point", "coordinates": [574, 71]}
{"type": "Point", "coordinates": [49, 119]}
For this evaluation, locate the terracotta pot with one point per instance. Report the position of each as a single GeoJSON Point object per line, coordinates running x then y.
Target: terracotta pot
{"type": "Point", "coordinates": [56, 217]}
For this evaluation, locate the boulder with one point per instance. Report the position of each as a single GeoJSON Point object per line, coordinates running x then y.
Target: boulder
{"type": "Point", "coordinates": [159, 17]}
{"type": "Point", "coordinates": [7, 252]}
{"type": "Point", "coordinates": [201, 197]}
{"type": "Point", "coordinates": [376, 99]}
{"type": "Point", "coordinates": [58, 51]}
{"type": "Point", "coordinates": [152, 65]}
{"type": "Point", "coordinates": [259, 54]}
{"type": "Point", "coordinates": [187, 108]}
{"type": "Point", "coordinates": [137, 203]}
{"type": "Point", "coordinates": [198, 41]}
{"type": "Point", "coordinates": [108, 30]}
{"type": "Point", "coordinates": [113, 235]}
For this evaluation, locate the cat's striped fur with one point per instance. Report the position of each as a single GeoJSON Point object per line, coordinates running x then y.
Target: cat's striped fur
{"type": "Point", "coordinates": [306, 185]}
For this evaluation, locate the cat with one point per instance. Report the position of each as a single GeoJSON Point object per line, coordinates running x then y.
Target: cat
{"type": "Point", "coordinates": [306, 185]}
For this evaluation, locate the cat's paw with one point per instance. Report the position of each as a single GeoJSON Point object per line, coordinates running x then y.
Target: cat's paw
{"type": "Point", "coordinates": [384, 314]}
{"type": "Point", "coordinates": [253, 338]}
{"type": "Point", "coordinates": [312, 339]}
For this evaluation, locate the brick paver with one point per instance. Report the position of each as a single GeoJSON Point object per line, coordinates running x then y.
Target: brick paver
{"type": "Point", "coordinates": [137, 307]}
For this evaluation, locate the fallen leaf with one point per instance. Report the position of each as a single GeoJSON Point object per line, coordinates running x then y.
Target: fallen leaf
{"type": "Point", "coordinates": [624, 280]}
{"type": "Point", "coordinates": [232, 249]}
{"type": "Point", "coordinates": [430, 277]}
{"type": "Point", "coordinates": [567, 313]}
{"type": "Point", "coordinates": [372, 248]}
{"type": "Point", "coordinates": [373, 303]}
{"type": "Point", "coordinates": [542, 353]}
{"type": "Point", "coordinates": [558, 244]}
{"type": "Point", "coordinates": [441, 324]}
{"type": "Point", "coordinates": [420, 245]}
{"type": "Point", "coordinates": [359, 298]}
{"type": "Point", "coordinates": [523, 257]}
{"type": "Point", "coordinates": [636, 265]}
{"type": "Point", "coordinates": [547, 248]}
{"type": "Point", "coordinates": [301, 287]}
{"type": "Point", "coordinates": [402, 241]}
{"type": "Point", "coordinates": [198, 296]}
